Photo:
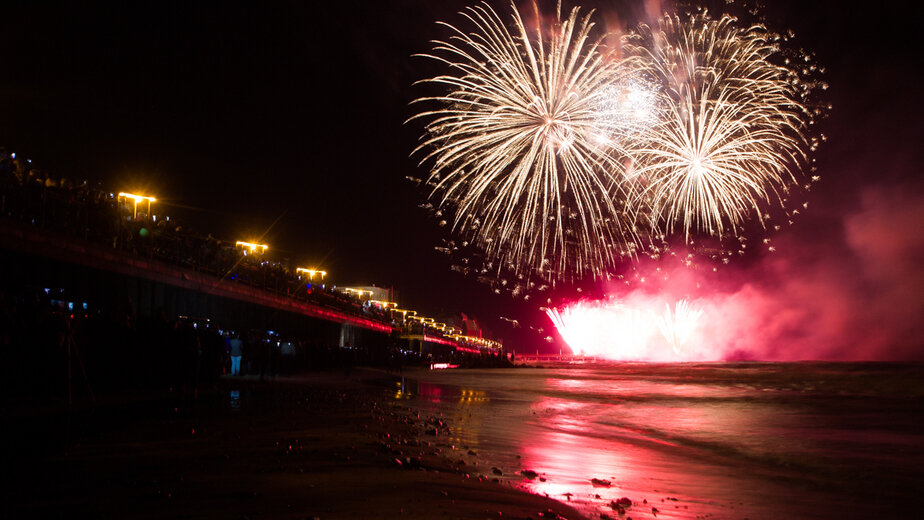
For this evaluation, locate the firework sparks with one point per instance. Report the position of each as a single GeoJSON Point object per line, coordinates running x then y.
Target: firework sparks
{"type": "Point", "coordinates": [553, 157]}
{"type": "Point", "coordinates": [609, 330]}
{"type": "Point", "coordinates": [629, 106]}
{"type": "Point", "coordinates": [627, 331]}
{"type": "Point", "coordinates": [677, 327]}
{"type": "Point", "coordinates": [732, 135]}
{"type": "Point", "coordinates": [517, 145]}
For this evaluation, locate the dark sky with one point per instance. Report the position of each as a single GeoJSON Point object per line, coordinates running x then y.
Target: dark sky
{"type": "Point", "coordinates": [239, 117]}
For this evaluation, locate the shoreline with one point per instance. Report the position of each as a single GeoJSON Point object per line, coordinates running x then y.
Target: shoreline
{"type": "Point", "coordinates": [319, 445]}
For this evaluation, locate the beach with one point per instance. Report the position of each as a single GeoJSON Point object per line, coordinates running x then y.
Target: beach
{"type": "Point", "coordinates": [809, 440]}
{"type": "Point", "coordinates": [674, 441]}
{"type": "Point", "coordinates": [320, 445]}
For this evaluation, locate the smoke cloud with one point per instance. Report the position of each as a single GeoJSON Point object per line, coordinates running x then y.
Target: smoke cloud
{"type": "Point", "coordinates": [855, 296]}
{"type": "Point", "coordinates": [849, 293]}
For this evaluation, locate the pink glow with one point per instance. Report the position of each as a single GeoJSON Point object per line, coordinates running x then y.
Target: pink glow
{"type": "Point", "coordinates": [640, 328]}
{"type": "Point", "coordinates": [566, 459]}
{"type": "Point", "coordinates": [441, 366]}
{"type": "Point", "coordinates": [431, 392]}
{"type": "Point", "coordinates": [854, 294]}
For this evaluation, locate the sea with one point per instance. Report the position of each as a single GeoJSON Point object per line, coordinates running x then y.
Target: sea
{"type": "Point", "coordinates": [752, 441]}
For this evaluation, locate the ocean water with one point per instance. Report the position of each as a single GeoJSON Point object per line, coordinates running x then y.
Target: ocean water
{"type": "Point", "coordinates": [704, 440]}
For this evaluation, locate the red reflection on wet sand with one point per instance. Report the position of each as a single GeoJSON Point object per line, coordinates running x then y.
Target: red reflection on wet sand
{"type": "Point", "coordinates": [431, 392]}
{"type": "Point", "coordinates": [627, 388]}
{"type": "Point", "coordinates": [567, 461]}
{"type": "Point", "coordinates": [758, 441]}
{"type": "Point", "coordinates": [632, 446]}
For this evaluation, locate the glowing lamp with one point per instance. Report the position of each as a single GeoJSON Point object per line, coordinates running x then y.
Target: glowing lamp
{"type": "Point", "coordinates": [135, 200]}
{"type": "Point", "coordinates": [311, 272]}
{"type": "Point", "coordinates": [252, 247]}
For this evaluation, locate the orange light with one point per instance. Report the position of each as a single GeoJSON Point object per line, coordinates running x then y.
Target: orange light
{"type": "Point", "coordinates": [253, 247]}
{"type": "Point", "coordinates": [311, 272]}
{"type": "Point", "coordinates": [357, 292]}
{"type": "Point", "coordinates": [136, 199]}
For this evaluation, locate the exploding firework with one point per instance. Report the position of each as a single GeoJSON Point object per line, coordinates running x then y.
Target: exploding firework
{"type": "Point", "coordinates": [525, 142]}
{"type": "Point", "coordinates": [609, 330]}
{"type": "Point", "coordinates": [677, 327]}
{"type": "Point", "coordinates": [627, 331]}
{"type": "Point", "coordinates": [551, 155]}
{"type": "Point", "coordinates": [629, 106]}
{"type": "Point", "coordinates": [731, 138]}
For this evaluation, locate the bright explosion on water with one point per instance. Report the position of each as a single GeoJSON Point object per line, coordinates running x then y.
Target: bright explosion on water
{"type": "Point", "coordinates": [620, 331]}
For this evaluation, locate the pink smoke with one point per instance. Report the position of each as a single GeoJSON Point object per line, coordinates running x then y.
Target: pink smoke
{"type": "Point", "coordinates": [852, 294]}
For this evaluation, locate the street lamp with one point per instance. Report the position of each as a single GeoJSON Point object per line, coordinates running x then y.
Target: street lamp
{"type": "Point", "coordinates": [311, 272]}
{"type": "Point", "coordinates": [357, 292]}
{"type": "Point", "coordinates": [405, 313]}
{"type": "Point", "coordinates": [252, 247]}
{"type": "Point", "coordinates": [136, 199]}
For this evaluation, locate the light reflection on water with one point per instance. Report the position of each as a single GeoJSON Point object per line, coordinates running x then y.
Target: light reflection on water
{"type": "Point", "coordinates": [235, 401]}
{"type": "Point", "coordinates": [762, 441]}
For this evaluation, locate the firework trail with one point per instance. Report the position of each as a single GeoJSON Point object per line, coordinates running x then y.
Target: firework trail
{"type": "Point", "coordinates": [677, 327]}
{"type": "Point", "coordinates": [525, 142]}
{"type": "Point", "coordinates": [732, 137]}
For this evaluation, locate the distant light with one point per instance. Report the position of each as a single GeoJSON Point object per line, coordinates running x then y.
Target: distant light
{"type": "Point", "coordinates": [136, 198]}
{"type": "Point", "coordinates": [252, 246]}
{"type": "Point", "coordinates": [311, 272]}
{"type": "Point", "coordinates": [13, 155]}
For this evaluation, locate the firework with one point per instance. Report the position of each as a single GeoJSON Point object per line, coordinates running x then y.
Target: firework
{"type": "Point", "coordinates": [604, 329]}
{"type": "Point", "coordinates": [627, 330]}
{"type": "Point", "coordinates": [677, 327]}
{"type": "Point", "coordinates": [731, 135]}
{"type": "Point", "coordinates": [629, 106]}
{"type": "Point", "coordinates": [523, 147]}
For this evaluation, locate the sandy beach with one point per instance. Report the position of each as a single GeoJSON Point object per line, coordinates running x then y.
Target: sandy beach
{"type": "Point", "coordinates": [757, 441]}
{"type": "Point", "coordinates": [316, 446]}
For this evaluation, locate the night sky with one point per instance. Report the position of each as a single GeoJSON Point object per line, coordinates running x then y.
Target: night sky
{"type": "Point", "coordinates": [288, 121]}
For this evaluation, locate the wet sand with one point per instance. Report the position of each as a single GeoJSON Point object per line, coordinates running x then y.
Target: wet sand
{"type": "Point", "coordinates": [318, 446]}
{"type": "Point", "coordinates": [694, 441]}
